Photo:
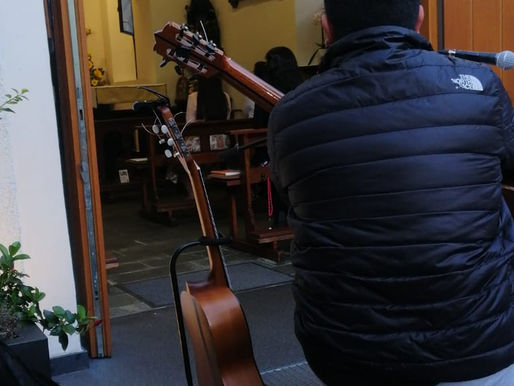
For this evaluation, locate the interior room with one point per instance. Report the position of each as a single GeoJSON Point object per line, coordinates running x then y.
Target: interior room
{"type": "Point", "coordinates": [150, 191]}
{"type": "Point", "coordinates": [147, 204]}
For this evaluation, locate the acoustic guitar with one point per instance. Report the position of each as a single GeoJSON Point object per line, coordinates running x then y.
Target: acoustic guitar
{"type": "Point", "coordinates": [211, 312]}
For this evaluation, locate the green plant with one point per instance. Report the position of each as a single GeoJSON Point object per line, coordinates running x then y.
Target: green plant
{"type": "Point", "coordinates": [22, 301]}
{"type": "Point", "coordinates": [13, 99]}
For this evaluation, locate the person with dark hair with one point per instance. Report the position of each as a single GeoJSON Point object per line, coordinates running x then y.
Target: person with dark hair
{"type": "Point", "coordinates": [281, 71]}
{"type": "Point", "coordinates": [209, 103]}
{"type": "Point", "coordinates": [259, 69]}
{"type": "Point", "coordinates": [392, 159]}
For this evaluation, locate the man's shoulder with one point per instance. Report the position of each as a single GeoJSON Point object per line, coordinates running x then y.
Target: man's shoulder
{"type": "Point", "coordinates": [311, 86]}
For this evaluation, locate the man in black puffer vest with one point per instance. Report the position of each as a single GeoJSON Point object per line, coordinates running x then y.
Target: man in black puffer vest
{"type": "Point", "coordinates": [392, 159]}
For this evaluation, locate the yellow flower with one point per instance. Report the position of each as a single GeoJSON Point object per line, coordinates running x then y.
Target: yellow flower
{"type": "Point", "coordinates": [90, 64]}
{"type": "Point", "coordinates": [98, 73]}
{"type": "Point", "coordinates": [94, 82]}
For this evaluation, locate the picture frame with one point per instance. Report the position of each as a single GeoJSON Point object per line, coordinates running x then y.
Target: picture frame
{"type": "Point", "coordinates": [126, 16]}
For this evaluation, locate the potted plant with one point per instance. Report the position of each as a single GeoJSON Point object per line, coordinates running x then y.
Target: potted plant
{"type": "Point", "coordinates": [20, 311]}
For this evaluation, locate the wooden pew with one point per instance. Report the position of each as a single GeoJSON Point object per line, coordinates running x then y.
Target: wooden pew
{"type": "Point", "coordinates": [259, 239]}
{"type": "Point", "coordinates": [159, 203]}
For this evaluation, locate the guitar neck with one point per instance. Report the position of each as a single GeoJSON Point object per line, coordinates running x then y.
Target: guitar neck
{"type": "Point", "coordinates": [175, 43]}
{"type": "Point", "coordinates": [217, 266]}
{"type": "Point", "coordinates": [264, 95]}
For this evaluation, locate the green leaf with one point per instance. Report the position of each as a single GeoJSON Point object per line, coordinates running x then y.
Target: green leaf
{"type": "Point", "coordinates": [81, 311]}
{"type": "Point", "coordinates": [50, 316]}
{"type": "Point", "coordinates": [57, 330]}
{"type": "Point", "coordinates": [32, 310]}
{"type": "Point", "coordinates": [63, 340]}
{"type": "Point", "coordinates": [69, 317]}
{"type": "Point", "coordinates": [4, 250]}
{"type": "Point", "coordinates": [69, 329]}
{"type": "Point", "coordinates": [8, 260]}
{"type": "Point", "coordinates": [14, 248]}
{"type": "Point", "coordinates": [59, 311]}
{"type": "Point", "coordinates": [38, 295]}
{"type": "Point", "coordinates": [21, 256]}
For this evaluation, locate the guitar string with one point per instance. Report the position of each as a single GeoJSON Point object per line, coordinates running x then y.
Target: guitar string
{"type": "Point", "coordinates": [178, 134]}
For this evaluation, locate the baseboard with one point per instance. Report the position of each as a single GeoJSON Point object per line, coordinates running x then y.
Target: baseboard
{"type": "Point", "coordinates": [69, 363]}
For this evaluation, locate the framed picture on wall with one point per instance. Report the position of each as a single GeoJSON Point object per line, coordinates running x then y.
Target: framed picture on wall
{"type": "Point", "coordinates": [126, 18]}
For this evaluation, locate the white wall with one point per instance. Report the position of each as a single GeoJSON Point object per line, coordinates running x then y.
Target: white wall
{"type": "Point", "coordinates": [308, 32]}
{"type": "Point", "coordinates": [34, 211]}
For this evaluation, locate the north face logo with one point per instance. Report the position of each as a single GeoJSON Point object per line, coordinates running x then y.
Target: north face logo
{"type": "Point", "coordinates": [468, 82]}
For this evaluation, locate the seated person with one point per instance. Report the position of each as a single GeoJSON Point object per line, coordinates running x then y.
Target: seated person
{"type": "Point", "coordinates": [209, 103]}
{"type": "Point", "coordinates": [259, 69]}
{"type": "Point", "coordinates": [281, 71]}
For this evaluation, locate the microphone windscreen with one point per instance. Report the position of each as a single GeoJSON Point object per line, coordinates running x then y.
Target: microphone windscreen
{"type": "Point", "coordinates": [505, 60]}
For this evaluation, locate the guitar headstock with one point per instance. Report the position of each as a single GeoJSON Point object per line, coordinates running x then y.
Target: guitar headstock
{"type": "Point", "coordinates": [178, 44]}
{"type": "Point", "coordinates": [177, 146]}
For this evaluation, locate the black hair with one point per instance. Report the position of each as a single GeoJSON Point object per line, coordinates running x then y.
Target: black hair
{"type": "Point", "coordinates": [260, 69]}
{"type": "Point", "coordinates": [282, 69]}
{"type": "Point", "coordinates": [348, 16]}
{"type": "Point", "coordinates": [212, 102]}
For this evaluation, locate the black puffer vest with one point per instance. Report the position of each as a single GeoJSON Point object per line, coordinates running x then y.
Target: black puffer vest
{"type": "Point", "coordinates": [392, 162]}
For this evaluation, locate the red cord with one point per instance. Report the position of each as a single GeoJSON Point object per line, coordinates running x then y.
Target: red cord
{"type": "Point", "coordinates": [270, 198]}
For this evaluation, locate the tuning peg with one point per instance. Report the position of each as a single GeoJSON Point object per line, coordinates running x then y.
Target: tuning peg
{"type": "Point", "coordinates": [155, 129]}
{"type": "Point", "coordinates": [164, 129]}
{"type": "Point", "coordinates": [196, 39]}
{"type": "Point", "coordinates": [168, 153]}
{"type": "Point", "coordinates": [163, 63]}
{"type": "Point", "coordinates": [211, 47]}
{"type": "Point", "coordinates": [162, 141]}
{"type": "Point", "coordinates": [170, 142]}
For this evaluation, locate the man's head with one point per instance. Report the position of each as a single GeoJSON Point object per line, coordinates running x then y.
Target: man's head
{"type": "Point", "coordinates": [346, 16]}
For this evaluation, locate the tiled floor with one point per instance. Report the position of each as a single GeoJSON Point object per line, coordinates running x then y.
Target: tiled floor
{"type": "Point", "coordinates": [146, 349]}
{"type": "Point", "coordinates": [143, 248]}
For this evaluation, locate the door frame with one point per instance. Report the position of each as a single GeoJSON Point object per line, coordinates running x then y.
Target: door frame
{"type": "Point", "coordinates": [70, 74]}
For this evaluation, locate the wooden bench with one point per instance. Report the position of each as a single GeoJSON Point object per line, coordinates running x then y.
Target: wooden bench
{"type": "Point", "coordinates": [158, 202]}
{"type": "Point", "coordinates": [258, 239]}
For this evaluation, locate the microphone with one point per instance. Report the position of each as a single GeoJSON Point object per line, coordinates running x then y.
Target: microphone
{"type": "Point", "coordinates": [504, 59]}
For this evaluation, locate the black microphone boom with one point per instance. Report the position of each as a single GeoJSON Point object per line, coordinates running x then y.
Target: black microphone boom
{"type": "Point", "coordinates": [504, 59]}
{"type": "Point", "coordinates": [231, 153]}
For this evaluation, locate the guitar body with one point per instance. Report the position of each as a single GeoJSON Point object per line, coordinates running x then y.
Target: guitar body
{"type": "Point", "coordinates": [219, 334]}
{"type": "Point", "coordinates": [210, 311]}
